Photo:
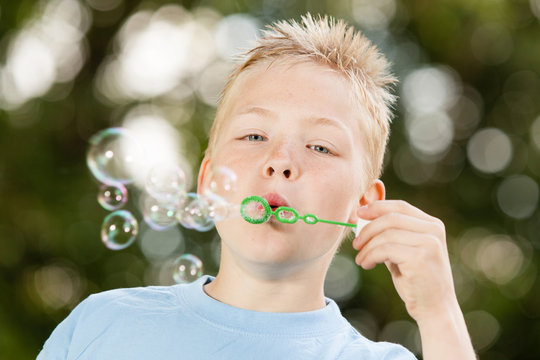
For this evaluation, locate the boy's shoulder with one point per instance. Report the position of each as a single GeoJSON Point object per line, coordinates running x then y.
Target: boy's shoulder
{"type": "Point", "coordinates": [135, 298]}
{"type": "Point", "coordinates": [362, 347]}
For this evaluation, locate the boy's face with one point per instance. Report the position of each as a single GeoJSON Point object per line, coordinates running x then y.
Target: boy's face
{"type": "Point", "coordinates": [292, 135]}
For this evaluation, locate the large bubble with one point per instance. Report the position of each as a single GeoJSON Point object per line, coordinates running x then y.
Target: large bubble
{"type": "Point", "coordinates": [187, 268]}
{"type": "Point", "coordinates": [114, 156]}
{"type": "Point", "coordinates": [222, 182]}
{"type": "Point", "coordinates": [112, 197]}
{"type": "Point", "coordinates": [166, 183]}
{"type": "Point", "coordinates": [119, 230]}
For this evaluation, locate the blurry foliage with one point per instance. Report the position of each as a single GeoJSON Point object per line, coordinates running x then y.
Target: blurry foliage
{"type": "Point", "coordinates": [50, 253]}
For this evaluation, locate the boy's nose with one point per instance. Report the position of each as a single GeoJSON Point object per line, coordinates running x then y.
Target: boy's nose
{"type": "Point", "coordinates": [280, 163]}
{"type": "Point", "coordinates": [270, 171]}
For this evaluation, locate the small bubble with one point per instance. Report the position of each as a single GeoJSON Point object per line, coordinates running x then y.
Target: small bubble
{"type": "Point", "coordinates": [119, 230]}
{"type": "Point", "coordinates": [187, 268]}
{"type": "Point", "coordinates": [112, 197]}
{"type": "Point", "coordinates": [159, 216]}
{"type": "Point", "coordinates": [195, 213]}
{"type": "Point", "coordinates": [166, 182]}
{"type": "Point", "coordinates": [114, 156]}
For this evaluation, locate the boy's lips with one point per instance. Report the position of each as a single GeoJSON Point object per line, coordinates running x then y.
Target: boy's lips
{"type": "Point", "coordinates": [275, 200]}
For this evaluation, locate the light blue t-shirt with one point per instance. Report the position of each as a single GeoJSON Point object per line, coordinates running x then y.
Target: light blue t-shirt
{"type": "Point", "coordinates": [183, 322]}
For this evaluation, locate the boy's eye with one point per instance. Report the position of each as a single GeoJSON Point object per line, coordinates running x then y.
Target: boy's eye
{"type": "Point", "coordinates": [254, 137]}
{"type": "Point", "coordinates": [320, 148]}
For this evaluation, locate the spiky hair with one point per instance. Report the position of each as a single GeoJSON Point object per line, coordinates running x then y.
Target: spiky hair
{"type": "Point", "coordinates": [327, 41]}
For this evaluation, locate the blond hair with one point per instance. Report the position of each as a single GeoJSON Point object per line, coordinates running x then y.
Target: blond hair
{"type": "Point", "coordinates": [324, 40]}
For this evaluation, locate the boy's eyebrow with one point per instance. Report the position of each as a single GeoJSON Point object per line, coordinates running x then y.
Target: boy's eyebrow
{"type": "Point", "coordinates": [316, 120]}
{"type": "Point", "coordinates": [257, 111]}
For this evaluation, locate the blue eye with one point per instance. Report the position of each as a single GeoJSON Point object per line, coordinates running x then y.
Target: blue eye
{"type": "Point", "coordinates": [254, 137]}
{"type": "Point", "coordinates": [319, 148]}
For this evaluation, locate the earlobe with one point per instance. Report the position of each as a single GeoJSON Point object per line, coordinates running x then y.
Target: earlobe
{"type": "Point", "coordinates": [203, 172]}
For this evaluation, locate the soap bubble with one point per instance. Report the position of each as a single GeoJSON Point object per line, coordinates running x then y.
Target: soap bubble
{"type": "Point", "coordinates": [187, 268]}
{"type": "Point", "coordinates": [114, 156]}
{"type": "Point", "coordinates": [222, 182]}
{"type": "Point", "coordinates": [195, 213]}
{"type": "Point", "coordinates": [166, 182]}
{"type": "Point", "coordinates": [159, 216]}
{"type": "Point", "coordinates": [119, 230]}
{"type": "Point", "coordinates": [112, 197]}
{"type": "Point", "coordinates": [219, 209]}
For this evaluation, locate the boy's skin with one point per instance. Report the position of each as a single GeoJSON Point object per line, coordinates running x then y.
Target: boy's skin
{"type": "Point", "coordinates": [279, 125]}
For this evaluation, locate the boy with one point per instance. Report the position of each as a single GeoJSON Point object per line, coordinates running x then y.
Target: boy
{"type": "Point", "coordinates": [303, 122]}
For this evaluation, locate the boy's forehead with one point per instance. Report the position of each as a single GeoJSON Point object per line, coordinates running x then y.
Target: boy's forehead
{"type": "Point", "coordinates": [297, 83]}
{"type": "Point", "coordinates": [328, 93]}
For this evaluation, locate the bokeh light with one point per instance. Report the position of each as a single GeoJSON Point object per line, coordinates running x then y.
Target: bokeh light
{"type": "Point", "coordinates": [490, 150]}
{"type": "Point", "coordinates": [430, 89]}
{"type": "Point", "coordinates": [374, 15]}
{"type": "Point", "coordinates": [49, 49]}
{"type": "Point", "coordinates": [492, 44]}
{"type": "Point", "coordinates": [403, 332]}
{"type": "Point", "coordinates": [161, 142]}
{"type": "Point", "coordinates": [465, 147]}
{"type": "Point", "coordinates": [535, 133]}
{"type": "Point", "coordinates": [156, 51]}
{"type": "Point", "coordinates": [499, 258]}
{"type": "Point", "coordinates": [517, 196]}
{"type": "Point", "coordinates": [158, 246]}
{"type": "Point", "coordinates": [535, 7]}
{"type": "Point", "coordinates": [58, 285]}
{"type": "Point", "coordinates": [342, 279]}
{"type": "Point", "coordinates": [484, 328]}
{"type": "Point", "coordinates": [235, 34]}
{"type": "Point", "coordinates": [431, 134]}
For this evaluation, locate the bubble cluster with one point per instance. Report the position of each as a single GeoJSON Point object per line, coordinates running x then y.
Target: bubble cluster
{"type": "Point", "coordinates": [195, 214]}
{"type": "Point", "coordinates": [116, 158]}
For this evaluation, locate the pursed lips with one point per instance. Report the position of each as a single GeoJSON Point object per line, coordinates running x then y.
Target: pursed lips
{"type": "Point", "coordinates": [275, 200]}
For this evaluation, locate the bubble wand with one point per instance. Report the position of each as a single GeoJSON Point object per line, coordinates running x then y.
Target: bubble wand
{"type": "Point", "coordinates": [251, 207]}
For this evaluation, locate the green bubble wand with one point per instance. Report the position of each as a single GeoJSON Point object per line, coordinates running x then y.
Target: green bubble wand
{"type": "Point", "coordinates": [251, 207]}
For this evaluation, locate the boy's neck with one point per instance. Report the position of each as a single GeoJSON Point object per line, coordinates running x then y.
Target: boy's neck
{"type": "Point", "coordinates": [299, 292]}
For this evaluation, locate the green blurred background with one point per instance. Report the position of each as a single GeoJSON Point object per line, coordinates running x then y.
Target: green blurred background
{"type": "Point", "coordinates": [465, 147]}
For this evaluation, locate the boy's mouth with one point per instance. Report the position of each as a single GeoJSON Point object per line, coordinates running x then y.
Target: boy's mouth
{"type": "Point", "coordinates": [275, 200]}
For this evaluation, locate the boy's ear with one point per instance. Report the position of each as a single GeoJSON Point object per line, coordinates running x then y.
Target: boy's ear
{"type": "Point", "coordinates": [375, 192]}
{"type": "Point", "coordinates": [202, 181]}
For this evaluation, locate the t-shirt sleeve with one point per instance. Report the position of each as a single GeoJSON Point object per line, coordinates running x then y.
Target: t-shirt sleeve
{"type": "Point", "coordinates": [58, 344]}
